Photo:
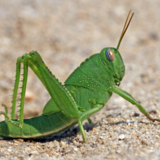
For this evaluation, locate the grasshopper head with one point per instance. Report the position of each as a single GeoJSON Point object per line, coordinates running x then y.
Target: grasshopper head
{"type": "Point", "coordinates": [112, 58]}
{"type": "Point", "coordinates": [113, 61]}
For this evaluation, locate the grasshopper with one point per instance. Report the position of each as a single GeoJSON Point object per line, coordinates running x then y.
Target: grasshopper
{"type": "Point", "coordinates": [84, 93]}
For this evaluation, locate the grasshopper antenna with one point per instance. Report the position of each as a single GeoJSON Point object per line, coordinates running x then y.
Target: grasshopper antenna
{"type": "Point", "coordinates": [125, 28]}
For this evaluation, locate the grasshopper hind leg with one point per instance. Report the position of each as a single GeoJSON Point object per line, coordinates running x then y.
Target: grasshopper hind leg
{"type": "Point", "coordinates": [19, 123]}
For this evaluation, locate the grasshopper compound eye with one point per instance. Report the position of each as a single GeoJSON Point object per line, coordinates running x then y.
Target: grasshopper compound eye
{"type": "Point", "coordinates": [110, 55]}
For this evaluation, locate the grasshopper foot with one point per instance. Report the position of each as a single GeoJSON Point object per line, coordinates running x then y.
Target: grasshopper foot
{"type": "Point", "coordinates": [5, 107]}
{"type": "Point", "coordinates": [152, 119]}
{"type": "Point", "coordinates": [15, 123]}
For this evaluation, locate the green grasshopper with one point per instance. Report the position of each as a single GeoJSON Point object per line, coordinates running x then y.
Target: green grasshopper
{"type": "Point", "coordinates": [84, 93]}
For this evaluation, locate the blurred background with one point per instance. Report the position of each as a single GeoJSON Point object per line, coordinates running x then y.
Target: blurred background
{"type": "Point", "coordinates": [66, 32]}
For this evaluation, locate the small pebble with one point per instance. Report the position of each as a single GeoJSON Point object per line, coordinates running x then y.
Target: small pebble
{"type": "Point", "coordinates": [121, 136]}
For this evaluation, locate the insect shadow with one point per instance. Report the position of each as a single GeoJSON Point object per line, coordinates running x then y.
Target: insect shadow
{"type": "Point", "coordinates": [71, 132]}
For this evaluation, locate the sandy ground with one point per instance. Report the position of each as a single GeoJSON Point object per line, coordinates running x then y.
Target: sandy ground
{"type": "Point", "coordinates": [65, 33]}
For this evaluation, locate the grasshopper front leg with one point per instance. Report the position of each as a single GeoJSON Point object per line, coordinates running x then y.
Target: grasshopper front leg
{"type": "Point", "coordinates": [129, 98]}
